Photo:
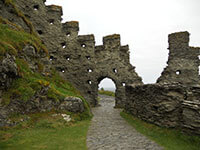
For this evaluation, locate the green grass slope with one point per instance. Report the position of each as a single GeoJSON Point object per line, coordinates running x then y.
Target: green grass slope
{"type": "Point", "coordinates": [40, 130]}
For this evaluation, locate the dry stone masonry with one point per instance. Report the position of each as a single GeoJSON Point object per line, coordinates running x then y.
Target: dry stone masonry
{"type": "Point", "coordinates": [183, 62]}
{"type": "Point", "coordinates": [174, 101]}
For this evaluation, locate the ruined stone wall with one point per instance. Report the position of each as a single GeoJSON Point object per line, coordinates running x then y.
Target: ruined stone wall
{"type": "Point", "coordinates": [174, 101]}
{"type": "Point", "coordinates": [172, 105]}
{"type": "Point", "coordinates": [183, 62]}
{"type": "Point", "coordinates": [75, 56]}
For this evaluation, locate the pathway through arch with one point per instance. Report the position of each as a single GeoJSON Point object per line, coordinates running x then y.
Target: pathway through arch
{"type": "Point", "coordinates": [109, 131]}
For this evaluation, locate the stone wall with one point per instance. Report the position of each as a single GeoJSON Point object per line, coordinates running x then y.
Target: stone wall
{"type": "Point", "coordinates": [169, 105]}
{"type": "Point", "coordinates": [174, 101]}
{"type": "Point", "coordinates": [75, 56]}
{"type": "Point", "coordinates": [183, 62]}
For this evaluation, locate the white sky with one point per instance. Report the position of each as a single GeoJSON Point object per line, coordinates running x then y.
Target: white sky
{"type": "Point", "coordinates": [143, 24]}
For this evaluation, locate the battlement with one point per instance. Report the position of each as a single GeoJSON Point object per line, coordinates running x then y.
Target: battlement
{"type": "Point", "coordinates": [178, 39]}
{"type": "Point", "coordinates": [124, 49]}
{"type": "Point", "coordinates": [72, 25]}
{"type": "Point", "coordinates": [71, 28]}
{"type": "Point", "coordinates": [85, 38]}
{"type": "Point", "coordinates": [111, 41]}
{"type": "Point", "coordinates": [54, 11]}
{"type": "Point", "coordinates": [124, 53]}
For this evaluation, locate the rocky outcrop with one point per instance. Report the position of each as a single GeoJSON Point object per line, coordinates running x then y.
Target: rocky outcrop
{"type": "Point", "coordinates": [8, 71]}
{"type": "Point", "coordinates": [72, 104]}
{"type": "Point", "coordinates": [39, 103]}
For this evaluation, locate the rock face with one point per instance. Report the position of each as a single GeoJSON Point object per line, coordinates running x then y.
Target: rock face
{"type": "Point", "coordinates": [75, 56]}
{"type": "Point", "coordinates": [39, 103]}
{"type": "Point", "coordinates": [72, 104]}
{"type": "Point", "coordinates": [8, 71]}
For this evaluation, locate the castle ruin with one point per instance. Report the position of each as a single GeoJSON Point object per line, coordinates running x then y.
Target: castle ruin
{"type": "Point", "coordinates": [173, 101]}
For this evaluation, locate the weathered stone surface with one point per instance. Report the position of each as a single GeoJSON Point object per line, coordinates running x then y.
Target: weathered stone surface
{"type": "Point", "coordinates": [72, 104]}
{"type": "Point", "coordinates": [29, 51]}
{"type": "Point", "coordinates": [39, 103]}
{"type": "Point", "coordinates": [155, 103]}
{"type": "Point", "coordinates": [183, 61]}
{"type": "Point", "coordinates": [165, 105]}
{"type": "Point", "coordinates": [8, 71]}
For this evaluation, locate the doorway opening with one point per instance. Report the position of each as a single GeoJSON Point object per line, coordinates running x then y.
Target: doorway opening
{"type": "Point", "coordinates": [106, 92]}
{"type": "Point", "coordinates": [107, 86]}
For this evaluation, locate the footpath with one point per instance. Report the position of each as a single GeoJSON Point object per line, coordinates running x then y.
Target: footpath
{"type": "Point", "coordinates": [109, 131]}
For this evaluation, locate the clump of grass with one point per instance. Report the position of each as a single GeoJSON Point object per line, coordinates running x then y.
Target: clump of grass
{"type": "Point", "coordinates": [170, 139]}
{"type": "Point", "coordinates": [108, 93]}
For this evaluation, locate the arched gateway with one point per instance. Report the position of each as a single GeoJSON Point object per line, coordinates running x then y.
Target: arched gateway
{"type": "Point", "coordinates": [111, 60]}
{"type": "Point", "coordinates": [75, 56]}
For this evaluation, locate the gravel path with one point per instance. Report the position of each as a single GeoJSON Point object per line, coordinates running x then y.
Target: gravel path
{"type": "Point", "coordinates": [109, 131]}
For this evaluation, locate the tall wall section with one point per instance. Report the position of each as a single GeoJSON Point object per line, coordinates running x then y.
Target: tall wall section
{"type": "Point", "coordinates": [75, 56]}
{"type": "Point", "coordinates": [183, 62]}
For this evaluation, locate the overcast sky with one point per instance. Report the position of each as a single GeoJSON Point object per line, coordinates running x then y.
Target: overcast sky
{"type": "Point", "coordinates": [143, 24]}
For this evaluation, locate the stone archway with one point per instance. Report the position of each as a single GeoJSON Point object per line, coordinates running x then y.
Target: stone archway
{"type": "Point", "coordinates": [119, 92]}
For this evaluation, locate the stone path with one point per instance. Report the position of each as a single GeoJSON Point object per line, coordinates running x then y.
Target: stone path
{"type": "Point", "coordinates": [109, 131]}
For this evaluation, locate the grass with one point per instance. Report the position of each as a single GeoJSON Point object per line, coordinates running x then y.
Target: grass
{"type": "Point", "coordinates": [104, 92]}
{"type": "Point", "coordinates": [170, 139]}
{"type": "Point", "coordinates": [13, 41]}
{"type": "Point", "coordinates": [44, 131]}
